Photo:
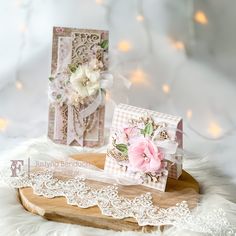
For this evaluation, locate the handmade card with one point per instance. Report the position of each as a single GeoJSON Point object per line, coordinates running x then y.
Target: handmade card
{"type": "Point", "coordinates": [143, 146]}
{"type": "Point", "coordinates": [77, 86]}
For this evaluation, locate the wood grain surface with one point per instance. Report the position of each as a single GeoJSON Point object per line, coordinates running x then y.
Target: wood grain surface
{"type": "Point", "coordinates": [56, 209]}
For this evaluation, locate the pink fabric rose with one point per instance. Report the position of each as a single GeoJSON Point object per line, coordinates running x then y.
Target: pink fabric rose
{"type": "Point", "coordinates": [144, 155]}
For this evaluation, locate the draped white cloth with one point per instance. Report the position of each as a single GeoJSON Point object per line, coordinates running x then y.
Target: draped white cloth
{"type": "Point", "coordinates": [216, 195]}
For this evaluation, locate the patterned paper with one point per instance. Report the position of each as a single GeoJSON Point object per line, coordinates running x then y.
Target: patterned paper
{"type": "Point", "coordinates": [73, 47]}
{"type": "Point", "coordinates": [123, 113]}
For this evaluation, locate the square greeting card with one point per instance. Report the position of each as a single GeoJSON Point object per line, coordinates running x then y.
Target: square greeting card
{"type": "Point", "coordinates": [77, 86]}
{"type": "Point", "coordinates": [143, 146]}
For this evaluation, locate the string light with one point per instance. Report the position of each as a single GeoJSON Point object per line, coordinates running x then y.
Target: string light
{"type": "Point", "coordinates": [140, 18]}
{"type": "Point", "coordinates": [214, 129]}
{"type": "Point", "coordinates": [18, 3]}
{"type": "Point", "coordinates": [139, 77]}
{"type": "Point", "coordinates": [166, 88]}
{"type": "Point", "coordinates": [19, 85]}
{"type": "Point", "coordinates": [99, 2]}
{"type": "Point", "coordinates": [200, 18]}
{"type": "Point", "coordinates": [189, 114]}
{"type": "Point", "coordinates": [108, 96]}
{"type": "Point", "coordinates": [178, 45]}
{"type": "Point", "coordinates": [124, 46]}
{"type": "Point", "coordinates": [3, 124]}
{"type": "Point", "coordinates": [22, 28]}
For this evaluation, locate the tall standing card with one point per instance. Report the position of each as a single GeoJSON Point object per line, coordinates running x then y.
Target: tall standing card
{"type": "Point", "coordinates": [77, 86]}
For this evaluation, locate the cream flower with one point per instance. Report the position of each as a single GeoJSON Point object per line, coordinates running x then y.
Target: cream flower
{"type": "Point", "coordinates": [85, 81]}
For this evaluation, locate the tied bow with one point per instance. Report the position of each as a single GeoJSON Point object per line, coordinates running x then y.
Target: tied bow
{"type": "Point", "coordinates": [168, 146]}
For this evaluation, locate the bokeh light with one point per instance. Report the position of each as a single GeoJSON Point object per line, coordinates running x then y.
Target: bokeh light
{"type": "Point", "coordinates": [140, 18]}
{"type": "Point", "coordinates": [99, 2]}
{"type": "Point", "coordinates": [19, 85]}
{"type": "Point", "coordinates": [214, 129]}
{"type": "Point", "coordinates": [18, 3]}
{"type": "Point", "coordinates": [124, 46]}
{"type": "Point", "coordinates": [166, 88]}
{"type": "Point", "coordinates": [139, 77]}
{"type": "Point", "coordinates": [201, 18]}
{"type": "Point", "coordinates": [178, 45]}
{"type": "Point", "coordinates": [189, 114]}
{"type": "Point", "coordinates": [3, 124]}
{"type": "Point", "coordinates": [22, 28]}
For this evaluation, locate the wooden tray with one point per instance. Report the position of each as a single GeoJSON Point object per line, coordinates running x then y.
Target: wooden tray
{"type": "Point", "coordinates": [56, 209]}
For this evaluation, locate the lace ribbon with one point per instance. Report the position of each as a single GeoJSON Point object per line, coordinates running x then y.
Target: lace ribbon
{"type": "Point", "coordinates": [77, 132]}
{"type": "Point", "coordinates": [78, 192]}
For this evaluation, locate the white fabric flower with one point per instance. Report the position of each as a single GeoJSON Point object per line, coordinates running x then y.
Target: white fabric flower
{"type": "Point", "coordinates": [85, 81]}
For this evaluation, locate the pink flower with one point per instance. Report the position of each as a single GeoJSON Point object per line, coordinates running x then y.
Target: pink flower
{"type": "Point", "coordinates": [131, 132]}
{"type": "Point", "coordinates": [121, 137]}
{"type": "Point", "coordinates": [124, 135]}
{"type": "Point", "coordinates": [59, 29]}
{"type": "Point", "coordinates": [144, 155]}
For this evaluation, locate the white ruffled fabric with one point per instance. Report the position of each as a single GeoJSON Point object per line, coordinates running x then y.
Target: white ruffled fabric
{"type": "Point", "coordinates": [217, 194]}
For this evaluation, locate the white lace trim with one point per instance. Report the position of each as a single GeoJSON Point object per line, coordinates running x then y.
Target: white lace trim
{"type": "Point", "coordinates": [78, 192]}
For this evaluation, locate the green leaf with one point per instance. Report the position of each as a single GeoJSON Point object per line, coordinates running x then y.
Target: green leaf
{"type": "Point", "coordinates": [103, 90]}
{"type": "Point", "coordinates": [51, 78]}
{"type": "Point", "coordinates": [122, 147]}
{"type": "Point", "coordinates": [148, 130]}
{"type": "Point", "coordinates": [104, 44]}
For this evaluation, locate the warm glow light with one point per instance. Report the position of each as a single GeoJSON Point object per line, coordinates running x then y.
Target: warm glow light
{"type": "Point", "coordinates": [166, 88]}
{"type": "Point", "coordinates": [124, 46]}
{"type": "Point", "coordinates": [214, 129]}
{"type": "Point", "coordinates": [201, 18]}
{"type": "Point", "coordinates": [19, 85]}
{"type": "Point", "coordinates": [99, 2]}
{"type": "Point", "coordinates": [139, 77]}
{"type": "Point", "coordinates": [3, 124]}
{"type": "Point", "coordinates": [108, 96]}
{"type": "Point", "coordinates": [189, 114]}
{"type": "Point", "coordinates": [22, 28]}
{"type": "Point", "coordinates": [18, 3]}
{"type": "Point", "coordinates": [140, 18]}
{"type": "Point", "coordinates": [178, 45]}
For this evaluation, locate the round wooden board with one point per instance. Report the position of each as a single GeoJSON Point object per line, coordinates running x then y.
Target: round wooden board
{"type": "Point", "coordinates": [186, 188]}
